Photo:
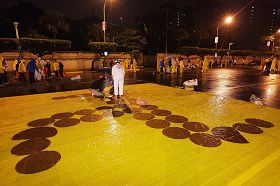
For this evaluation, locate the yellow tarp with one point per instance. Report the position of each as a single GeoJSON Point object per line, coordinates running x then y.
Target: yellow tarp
{"type": "Point", "coordinates": [125, 151]}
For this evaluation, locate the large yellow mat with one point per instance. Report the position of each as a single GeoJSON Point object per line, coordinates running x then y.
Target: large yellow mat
{"type": "Point", "coordinates": [179, 138]}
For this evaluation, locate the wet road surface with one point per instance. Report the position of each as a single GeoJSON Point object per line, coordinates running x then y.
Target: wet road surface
{"type": "Point", "coordinates": [238, 83]}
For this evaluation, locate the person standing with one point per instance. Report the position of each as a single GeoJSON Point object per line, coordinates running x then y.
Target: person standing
{"type": "Point", "coordinates": [161, 65]}
{"type": "Point", "coordinates": [15, 67]}
{"type": "Point", "coordinates": [61, 67]}
{"type": "Point", "coordinates": [40, 67]}
{"type": "Point", "coordinates": [56, 68]}
{"type": "Point", "coordinates": [205, 65]}
{"type": "Point", "coordinates": [21, 70]}
{"type": "Point", "coordinates": [1, 72]}
{"type": "Point", "coordinates": [48, 70]}
{"type": "Point", "coordinates": [134, 65]}
{"type": "Point", "coordinates": [268, 63]}
{"type": "Point", "coordinates": [118, 79]}
{"type": "Point", "coordinates": [4, 64]}
{"type": "Point", "coordinates": [273, 65]}
{"type": "Point", "coordinates": [31, 67]}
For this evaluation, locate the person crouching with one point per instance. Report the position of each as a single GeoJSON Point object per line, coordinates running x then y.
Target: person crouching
{"type": "Point", "coordinates": [98, 86]}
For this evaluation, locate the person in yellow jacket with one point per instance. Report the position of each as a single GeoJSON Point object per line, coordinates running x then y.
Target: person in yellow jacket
{"type": "Point", "coordinates": [21, 70]}
{"type": "Point", "coordinates": [182, 66]}
{"type": "Point", "coordinates": [273, 65]}
{"type": "Point", "coordinates": [134, 65]}
{"type": "Point", "coordinates": [1, 71]}
{"type": "Point", "coordinates": [205, 65]}
{"type": "Point", "coordinates": [15, 67]}
{"type": "Point", "coordinates": [126, 63]}
{"type": "Point", "coordinates": [56, 68]}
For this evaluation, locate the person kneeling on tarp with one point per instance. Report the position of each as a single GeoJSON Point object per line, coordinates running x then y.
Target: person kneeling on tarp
{"type": "Point", "coordinates": [98, 86]}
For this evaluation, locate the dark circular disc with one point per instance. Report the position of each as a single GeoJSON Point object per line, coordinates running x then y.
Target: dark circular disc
{"type": "Point", "coordinates": [41, 122]}
{"type": "Point", "coordinates": [160, 112]}
{"type": "Point", "coordinates": [30, 146]}
{"type": "Point", "coordinates": [84, 112]}
{"type": "Point", "coordinates": [104, 108]}
{"type": "Point", "coordinates": [228, 134]}
{"type": "Point", "coordinates": [91, 118]}
{"type": "Point", "coordinates": [176, 119]}
{"type": "Point", "coordinates": [205, 140]}
{"type": "Point", "coordinates": [121, 106]}
{"type": "Point", "coordinates": [34, 133]}
{"type": "Point", "coordinates": [247, 128]}
{"type": "Point", "coordinates": [37, 162]}
{"type": "Point", "coordinates": [59, 98]}
{"type": "Point", "coordinates": [259, 123]}
{"type": "Point", "coordinates": [157, 123]}
{"type": "Point", "coordinates": [196, 126]}
{"type": "Point", "coordinates": [176, 133]}
{"type": "Point", "coordinates": [127, 110]}
{"type": "Point", "coordinates": [63, 115]}
{"type": "Point", "coordinates": [67, 122]}
{"type": "Point", "coordinates": [149, 107]}
{"type": "Point", "coordinates": [143, 116]}
{"type": "Point", "coordinates": [117, 114]}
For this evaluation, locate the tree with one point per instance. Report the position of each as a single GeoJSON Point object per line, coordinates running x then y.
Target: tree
{"type": "Point", "coordinates": [41, 47]}
{"type": "Point", "coordinates": [128, 40]}
{"type": "Point", "coordinates": [54, 24]}
{"type": "Point", "coordinates": [95, 33]}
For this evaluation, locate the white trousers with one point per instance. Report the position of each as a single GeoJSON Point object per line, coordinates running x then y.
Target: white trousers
{"type": "Point", "coordinates": [118, 87]}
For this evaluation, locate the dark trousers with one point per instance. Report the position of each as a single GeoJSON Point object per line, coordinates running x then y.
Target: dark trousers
{"type": "Point", "coordinates": [5, 77]}
{"type": "Point", "coordinates": [31, 77]}
{"type": "Point", "coordinates": [161, 69]}
{"type": "Point", "coordinates": [21, 76]}
{"type": "Point", "coordinates": [1, 78]}
{"type": "Point", "coordinates": [56, 73]}
{"type": "Point", "coordinates": [267, 68]}
{"type": "Point", "coordinates": [61, 73]}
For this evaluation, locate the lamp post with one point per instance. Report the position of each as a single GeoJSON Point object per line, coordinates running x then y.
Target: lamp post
{"type": "Point", "coordinates": [104, 20]}
{"type": "Point", "coordinates": [229, 45]}
{"type": "Point", "coordinates": [16, 29]}
{"type": "Point", "coordinates": [228, 20]}
{"type": "Point", "coordinates": [17, 37]}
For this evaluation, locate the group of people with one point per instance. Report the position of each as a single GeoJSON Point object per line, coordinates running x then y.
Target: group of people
{"type": "Point", "coordinates": [38, 68]}
{"type": "Point", "coordinates": [35, 69]}
{"type": "Point", "coordinates": [271, 65]}
{"type": "Point", "coordinates": [117, 80]}
{"type": "Point", "coordinates": [108, 64]}
{"type": "Point", "coordinates": [171, 65]}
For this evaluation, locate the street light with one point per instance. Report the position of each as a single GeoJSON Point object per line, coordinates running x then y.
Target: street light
{"type": "Point", "coordinates": [228, 20]}
{"type": "Point", "coordinates": [104, 20]}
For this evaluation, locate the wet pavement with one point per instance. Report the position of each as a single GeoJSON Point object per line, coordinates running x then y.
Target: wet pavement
{"type": "Point", "coordinates": [238, 83]}
{"type": "Point", "coordinates": [179, 138]}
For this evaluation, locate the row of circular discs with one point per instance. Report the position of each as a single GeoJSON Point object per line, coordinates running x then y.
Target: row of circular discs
{"type": "Point", "coordinates": [36, 137]}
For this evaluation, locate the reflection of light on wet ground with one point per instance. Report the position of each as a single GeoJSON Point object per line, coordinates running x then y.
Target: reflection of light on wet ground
{"type": "Point", "coordinates": [223, 82]}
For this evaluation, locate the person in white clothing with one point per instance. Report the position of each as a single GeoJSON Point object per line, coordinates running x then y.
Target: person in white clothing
{"type": "Point", "coordinates": [118, 78]}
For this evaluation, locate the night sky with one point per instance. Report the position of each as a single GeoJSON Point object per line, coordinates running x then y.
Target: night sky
{"type": "Point", "coordinates": [127, 9]}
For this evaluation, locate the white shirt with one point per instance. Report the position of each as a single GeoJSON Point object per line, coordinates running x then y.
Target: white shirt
{"type": "Point", "coordinates": [118, 71]}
